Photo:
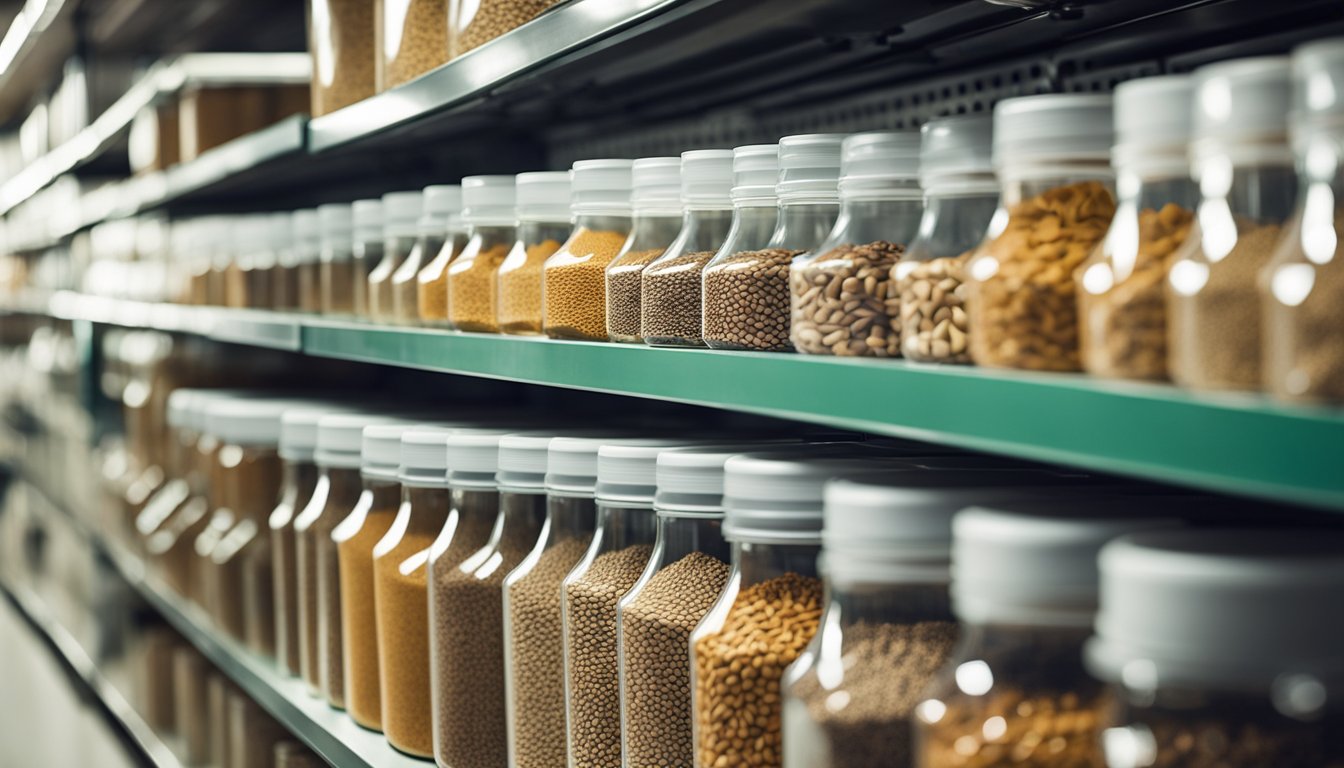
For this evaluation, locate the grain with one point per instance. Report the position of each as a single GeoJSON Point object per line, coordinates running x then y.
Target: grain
{"type": "Point", "coordinates": [432, 284]}
{"type": "Point", "coordinates": [520, 289]}
{"type": "Point", "coordinates": [934, 324]}
{"type": "Point", "coordinates": [866, 720]}
{"type": "Point", "coordinates": [845, 302]}
{"type": "Point", "coordinates": [1253, 737]}
{"type": "Point", "coordinates": [405, 286]}
{"type": "Point", "coordinates": [1304, 359]}
{"type": "Point", "coordinates": [472, 289]}
{"type": "Point", "coordinates": [738, 670]}
{"type": "Point", "coordinates": [359, 633]}
{"type": "Point", "coordinates": [338, 287]}
{"type": "Point", "coordinates": [670, 300]}
{"type": "Point", "coordinates": [538, 666]}
{"type": "Point", "coordinates": [341, 38]}
{"type": "Point", "coordinates": [1024, 313]}
{"type": "Point", "coordinates": [1046, 730]}
{"type": "Point", "coordinates": [746, 302]}
{"type": "Point", "coordinates": [1124, 317]}
{"type": "Point", "coordinates": [655, 632]}
{"type": "Point", "coordinates": [590, 655]}
{"type": "Point", "coordinates": [310, 287]}
{"type": "Point", "coordinates": [319, 583]}
{"type": "Point", "coordinates": [624, 278]}
{"type": "Point", "coordinates": [574, 297]}
{"type": "Point", "coordinates": [492, 19]}
{"type": "Point", "coordinates": [285, 567]}
{"type": "Point", "coordinates": [417, 31]}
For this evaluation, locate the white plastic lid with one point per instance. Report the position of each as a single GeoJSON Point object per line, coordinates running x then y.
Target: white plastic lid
{"type": "Point", "coordinates": [298, 429]}
{"type": "Point", "coordinates": [441, 203]}
{"type": "Point", "coordinates": [951, 149]}
{"type": "Point", "coordinates": [246, 421]}
{"type": "Point", "coordinates": [424, 457]}
{"type": "Point", "coordinates": [368, 220]}
{"type": "Point", "coordinates": [1035, 563]}
{"type": "Point", "coordinates": [809, 168]}
{"type": "Point", "coordinates": [523, 458]}
{"type": "Point", "coordinates": [571, 462]}
{"type": "Point", "coordinates": [755, 173]}
{"type": "Point", "coordinates": [656, 186]}
{"type": "Point", "coordinates": [473, 458]}
{"type": "Point", "coordinates": [627, 471]}
{"type": "Point", "coordinates": [543, 196]}
{"type": "Point", "coordinates": [380, 450]}
{"type": "Point", "coordinates": [689, 481]}
{"type": "Point", "coordinates": [340, 438]}
{"type": "Point", "coordinates": [281, 237]}
{"type": "Point", "coordinates": [1241, 110]}
{"type": "Point", "coordinates": [1253, 609]}
{"type": "Point", "coordinates": [307, 227]}
{"type": "Point", "coordinates": [250, 233]}
{"type": "Point", "coordinates": [601, 187]}
{"type": "Point", "coordinates": [335, 221]}
{"type": "Point", "coordinates": [1318, 81]}
{"type": "Point", "coordinates": [488, 200]}
{"type": "Point", "coordinates": [872, 164]}
{"type": "Point", "coordinates": [707, 178]}
{"type": "Point", "coordinates": [401, 213]}
{"type": "Point", "coordinates": [1052, 127]}
{"type": "Point", "coordinates": [1152, 124]}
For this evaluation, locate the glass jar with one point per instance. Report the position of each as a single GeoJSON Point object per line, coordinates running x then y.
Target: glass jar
{"type": "Point", "coordinates": [285, 279]}
{"type": "Point", "coordinates": [308, 255]}
{"type": "Point", "coordinates": [574, 298]}
{"type": "Point", "coordinates": [439, 203]}
{"type": "Point", "coordinates": [1122, 303]}
{"type": "Point", "coordinates": [366, 250]}
{"type": "Point", "coordinates": [1055, 206]}
{"type": "Point", "coordinates": [340, 35]}
{"type": "Point", "coordinates": [253, 734]}
{"type": "Point", "coordinates": [656, 202]}
{"type": "Point", "coordinates": [401, 590]}
{"type": "Point", "coordinates": [178, 458]}
{"type": "Point", "coordinates": [670, 285]}
{"type": "Point", "coordinates": [414, 40]}
{"type": "Point", "coordinates": [472, 24]}
{"type": "Point", "coordinates": [171, 547]}
{"type": "Point", "coordinates": [960, 197]}
{"type": "Point", "coordinates": [431, 291]}
{"type": "Point", "coordinates": [261, 280]}
{"type": "Point", "coordinates": [1303, 286]}
{"type": "Point", "coordinates": [470, 724]}
{"type": "Point", "coordinates": [191, 720]}
{"type": "Point", "coordinates": [880, 207]}
{"type": "Point", "coordinates": [243, 555]}
{"type": "Point", "coordinates": [492, 230]}
{"type": "Point", "coordinates": [400, 234]}
{"type": "Point", "coordinates": [337, 272]}
{"type": "Point", "coordinates": [543, 224]}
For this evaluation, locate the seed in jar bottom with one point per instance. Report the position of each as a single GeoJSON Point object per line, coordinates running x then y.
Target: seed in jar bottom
{"type": "Point", "coordinates": [746, 301]}
{"type": "Point", "coordinates": [845, 302]}
{"type": "Point", "coordinates": [670, 300]}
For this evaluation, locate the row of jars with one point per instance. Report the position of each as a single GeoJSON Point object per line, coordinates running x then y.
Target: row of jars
{"type": "Point", "coordinates": [485, 596]}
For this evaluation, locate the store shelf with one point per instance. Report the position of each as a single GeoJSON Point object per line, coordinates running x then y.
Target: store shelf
{"type": "Point", "coordinates": [273, 330]}
{"type": "Point", "coordinates": [330, 733]}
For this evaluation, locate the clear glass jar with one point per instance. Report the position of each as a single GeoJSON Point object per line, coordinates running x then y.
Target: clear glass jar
{"type": "Point", "coordinates": [405, 302]}
{"type": "Point", "coordinates": [253, 733]}
{"type": "Point", "coordinates": [171, 545]}
{"type": "Point", "coordinates": [285, 278]}
{"type": "Point", "coordinates": [366, 252]}
{"type": "Point", "coordinates": [670, 286]}
{"type": "Point", "coordinates": [649, 239]}
{"type": "Point", "coordinates": [243, 556]}
{"type": "Point", "coordinates": [298, 488]}
{"type": "Point", "coordinates": [574, 297]}
{"type": "Point", "coordinates": [472, 24]}
{"type": "Point", "coordinates": [340, 34]}
{"type": "Point", "coordinates": [473, 286]}
{"type": "Point", "coordinates": [768, 612]}
{"type": "Point", "coordinates": [308, 258]}
{"type": "Point", "coordinates": [533, 631]}
{"type": "Point", "coordinates": [414, 40]}
{"type": "Point", "coordinates": [337, 273]}
{"type": "Point", "coordinates": [192, 719]}
{"type": "Point", "coordinates": [397, 247]}
{"type": "Point", "coordinates": [338, 490]}
{"type": "Point", "coordinates": [431, 290]}
{"type": "Point", "coordinates": [519, 279]}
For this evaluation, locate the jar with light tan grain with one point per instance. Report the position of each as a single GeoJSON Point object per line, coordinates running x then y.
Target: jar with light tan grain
{"type": "Point", "coordinates": [414, 39]}
{"type": "Point", "coordinates": [307, 256]}
{"type": "Point", "coordinates": [473, 23]}
{"type": "Point", "coordinates": [543, 224]}
{"type": "Point", "coordinates": [337, 270]}
{"type": "Point", "coordinates": [366, 251]}
{"type": "Point", "coordinates": [432, 279]}
{"type": "Point", "coordinates": [400, 213]}
{"type": "Point", "coordinates": [656, 204]}
{"type": "Point", "coordinates": [440, 215]}
{"type": "Point", "coordinates": [574, 297]}
{"type": "Point", "coordinates": [492, 229]}
{"type": "Point", "coordinates": [341, 38]}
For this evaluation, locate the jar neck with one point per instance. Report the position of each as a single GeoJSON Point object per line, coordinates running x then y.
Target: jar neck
{"type": "Point", "coordinates": [872, 220]}
{"type": "Point", "coordinates": [855, 602]}
{"type": "Point", "coordinates": [383, 494]}
{"type": "Point", "coordinates": [680, 536]}
{"type": "Point", "coordinates": [626, 526]}
{"type": "Point", "coordinates": [397, 247]}
{"type": "Point", "coordinates": [484, 236]}
{"type": "Point", "coordinates": [603, 222]}
{"type": "Point", "coordinates": [521, 518]}
{"type": "Point", "coordinates": [952, 225]}
{"type": "Point", "coordinates": [652, 232]}
{"type": "Point", "coordinates": [336, 250]}
{"type": "Point", "coordinates": [300, 477]}
{"type": "Point", "coordinates": [428, 508]}
{"type": "Point", "coordinates": [569, 516]}
{"type": "Point", "coordinates": [802, 226]}
{"type": "Point", "coordinates": [702, 229]}
{"type": "Point", "coordinates": [756, 562]}
{"type": "Point", "coordinates": [343, 486]}
{"type": "Point", "coordinates": [535, 232]}
{"type": "Point", "coordinates": [370, 249]}
{"type": "Point", "coordinates": [1020, 184]}
{"type": "Point", "coordinates": [1140, 191]}
{"type": "Point", "coordinates": [1263, 193]}
{"type": "Point", "coordinates": [751, 228]}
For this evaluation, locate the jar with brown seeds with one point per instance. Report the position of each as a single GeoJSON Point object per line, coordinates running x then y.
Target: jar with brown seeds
{"type": "Point", "coordinates": [400, 212]}
{"type": "Point", "coordinates": [285, 277]}
{"type": "Point", "coordinates": [844, 300]}
{"type": "Point", "coordinates": [336, 257]}
{"type": "Point", "coordinates": [414, 40]}
{"type": "Point", "coordinates": [543, 224]}
{"type": "Point", "coordinates": [441, 203]}
{"type": "Point", "coordinates": [298, 441]}
{"type": "Point", "coordinates": [341, 35]}
{"type": "Point", "coordinates": [492, 230]}
{"type": "Point", "coordinates": [366, 250]}
{"type": "Point", "coordinates": [656, 202]}
{"type": "Point", "coordinates": [472, 24]}
{"type": "Point", "coordinates": [308, 261]}
{"type": "Point", "coordinates": [574, 286]}
{"type": "Point", "coordinates": [1241, 157]}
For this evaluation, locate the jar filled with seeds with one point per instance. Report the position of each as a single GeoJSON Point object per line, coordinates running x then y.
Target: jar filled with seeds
{"type": "Point", "coordinates": [670, 285]}
{"type": "Point", "coordinates": [1051, 152]}
{"type": "Point", "coordinates": [337, 260]}
{"type": "Point", "coordinates": [574, 297]}
{"type": "Point", "coordinates": [1024, 588]}
{"type": "Point", "coordinates": [771, 603]}
{"type": "Point", "coordinates": [414, 40]}
{"type": "Point", "coordinates": [420, 284]}
{"type": "Point", "coordinates": [656, 202]}
{"type": "Point", "coordinates": [366, 250]}
{"type": "Point", "coordinates": [191, 718]}
{"type": "Point", "coordinates": [745, 288]}
{"type": "Point", "coordinates": [401, 590]}
{"type": "Point", "coordinates": [401, 210]}
{"type": "Point", "coordinates": [285, 278]}
{"type": "Point", "coordinates": [340, 35]}
{"type": "Point", "coordinates": [307, 255]}
{"type": "Point", "coordinates": [472, 23]}
{"type": "Point", "coordinates": [960, 196]}
{"type": "Point", "coordinates": [249, 254]}
{"type": "Point", "coordinates": [182, 475]}
{"type": "Point", "coordinates": [492, 230]}
{"type": "Point", "coordinates": [543, 224]}
{"type": "Point", "coordinates": [844, 301]}
{"type": "Point", "coordinates": [252, 733]}
{"type": "Point", "coordinates": [1122, 302]}
{"type": "Point", "coordinates": [470, 725]}
{"type": "Point", "coordinates": [1303, 288]}
{"type": "Point", "coordinates": [1217, 650]}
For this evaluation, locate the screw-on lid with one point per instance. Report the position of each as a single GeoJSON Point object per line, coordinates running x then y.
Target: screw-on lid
{"type": "Point", "coordinates": [401, 212]}
{"type": "Point", "coordinates": [601, 187]}
{"type": "Point", "coordinates": [571, 461]}
{"type": "Point", "coordinates": [656, 186]}
{"type": "Point", "coordinates": [775, 497]}
{"type": "Point", "coordinates": [707, 178]}
{"type": "Point", "coordinates": [955, 155]}
{"type": "Point", "coordinates": [368, 220]}
{"type": "Point", "coordinates": [281, 236]}
{"type": "Point", "coordinates": [1035, 563]}
{"type": "Point", "coordinates": [424, 457]}
{"type": "Point", "coordinates": [1318, 81]}
{"type": "Point", "coordinates": [689, 481]}
{"type": "Point", "coordinates": [809, 168]}
{"type": "Point", "coordinates": [1052, 128]}
{"type": "Point", "coordinates": [1152, 124]}
{"type": "Point", "coordinates": [336, 221]}
{"type": "Point", "coordinates": [441, 203]}
{"type": "Point", "coordinates": [307, 227]}
{"type": "Point", "coordinates": [340, 438]}
{"type": "Point", "coordinates": [246, 421]}
{"type": "Point", "coordinates": [380, 450]}
{"type": "Point", "coordinates": [543, 196]}
{"type": "Point", "coordinates": [298, 429]}
{"type": "Point", "coordinates": [755, 173]}
{"type": "Point", "coordinates": [250, 233]}
{"type": "Point", "coordinates": [1252, 609]}
{"type": "Point", "coordinates": [473, 458]}
{"type": "Point", "coordinates": [1241, 111]}
{"type": "Point", "coordinates": [627, 471]}
{"type": "Point", "coordinates": [488, 200]}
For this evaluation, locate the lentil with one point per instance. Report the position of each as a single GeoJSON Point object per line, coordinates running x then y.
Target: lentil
{"type": "Point", "coordinates": [1046, 730]}
{"type": "Point", "coordinates": [492, 19]}
{"type": "Point", "coordinates": [520, 290]}
{"type": "Point", "coordinates": [655, 632]}
{"type": "Point", "coordinates": [624, 278]}
{"type": "Point", "coordinates": [670, 300]}
{"type": "Point", "coordinates": [420, 36]}
{"type": "Point", "coordinates": [432, 284]}
{"type": "Point", "coordinates": [934, 323]}
{"type": "Point", "coordinates": [358, 625]}
{"type": "Point", "coordinates": [405, 285]}
{"type": "Point", "coordinates": [845, 302]}
{"type": "Point", "coordinates": [738, 670]}
{"type": "Point", "coordinates": [574, 295]}
{"type": "Point", "coordinates": [472, 289]}
{"type": "Point", "coordinates": [747, 298]}
{"type": "Point", "coordinates": [590, 628]}
{"type": "Point", "coordinates": [338, 286]}
{"type": "Point", "coordinates": [343, 58]}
